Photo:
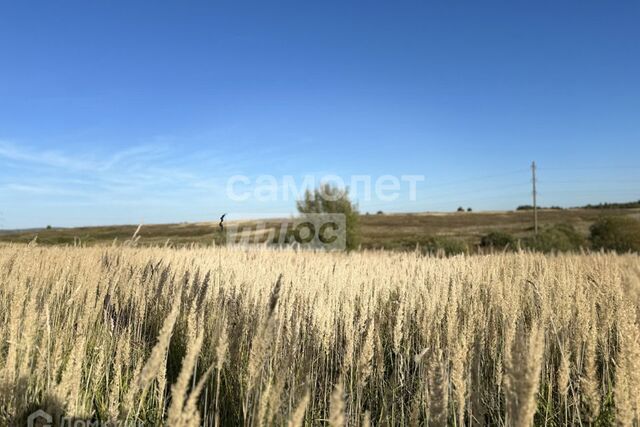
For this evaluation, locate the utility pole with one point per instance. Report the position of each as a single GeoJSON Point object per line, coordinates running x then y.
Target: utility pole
{"type": "Point", "coordinates": [535, 206]}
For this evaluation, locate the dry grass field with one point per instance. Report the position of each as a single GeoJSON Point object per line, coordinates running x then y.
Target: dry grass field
{"type": "Point", "coordinates": [229, 336]}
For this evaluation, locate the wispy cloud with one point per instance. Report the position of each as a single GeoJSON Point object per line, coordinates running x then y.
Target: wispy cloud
{"type": "Point", "coordinates": [45, 158]}
{"type": "Point", "coordinates": [162, 178]}
{"type": "Point", "coordinates": [155, 169]}
{"type": "Point", "coordinates": [59, 160]}
{"type": "Point", "coordinates": [39, 190]}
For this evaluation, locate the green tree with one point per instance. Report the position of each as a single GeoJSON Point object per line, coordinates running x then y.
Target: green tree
{"type": "Point", "coordinates": [330, 199]}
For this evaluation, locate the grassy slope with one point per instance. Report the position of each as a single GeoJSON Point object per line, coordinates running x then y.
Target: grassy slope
{"type": "Point", "coordinates": [389, 230]}
{"type": "Point", "coordinates": [393, 230]}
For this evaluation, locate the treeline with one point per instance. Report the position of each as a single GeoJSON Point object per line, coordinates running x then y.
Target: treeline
{"type": "Point", "coordinates": [625, 205]}
{"type": "Point", "coordinates": [530, 207]}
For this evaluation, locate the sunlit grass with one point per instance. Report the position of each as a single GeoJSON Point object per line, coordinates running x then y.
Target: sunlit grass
{"type": "Point", "coordinates": [210, 336]}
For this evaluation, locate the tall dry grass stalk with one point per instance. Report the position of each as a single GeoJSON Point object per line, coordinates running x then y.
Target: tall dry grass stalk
{"type": "Point", "coordinates": [226, 336]}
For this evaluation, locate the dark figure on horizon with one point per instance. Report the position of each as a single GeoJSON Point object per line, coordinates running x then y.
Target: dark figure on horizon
{"type": "Point", "coordinates": [221, 221]}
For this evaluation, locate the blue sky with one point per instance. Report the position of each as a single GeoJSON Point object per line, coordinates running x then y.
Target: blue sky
{"type": "Point", "coordinates": [121, 112]}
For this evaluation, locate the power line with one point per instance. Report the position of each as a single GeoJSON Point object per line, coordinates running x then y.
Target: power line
{"type": "Point", "coordinates": [600, 191]}
{"type": "Point", "coordinates": [440, 202]}
{"type": "Point", "coordinates": [590, 168]}
{"type": "Point", "coordinates": [438, 199]}
{"type": "Point", "coordinates": [478, 178]}
{"type": "Point", "coordinates": [611, 181]}
{"type": "Point", "coordinates": [456, 196]}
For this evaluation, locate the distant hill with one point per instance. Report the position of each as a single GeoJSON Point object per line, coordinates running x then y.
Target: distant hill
{"type": "Point", "coordinates": [24, 230]}
{"type": "Point", "coordinates": [390, 231]}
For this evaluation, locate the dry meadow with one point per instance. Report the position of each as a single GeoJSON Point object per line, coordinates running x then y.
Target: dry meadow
{"type": "Point", "coordinates": [231, 336]}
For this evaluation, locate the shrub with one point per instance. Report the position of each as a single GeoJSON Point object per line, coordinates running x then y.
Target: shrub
{"type": "Point", "coordinates": [460, 209]}
{"type": "Point", "coordinates": [469, 209]}
{"type": "Point", "coordinates": [498, 239]}
{"type": "Point", "coordinates": [560, 237]}
{"type": "Point", "coordinates": [620, 234]}
{"type": "Point", "coordinates": [444, 244]}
